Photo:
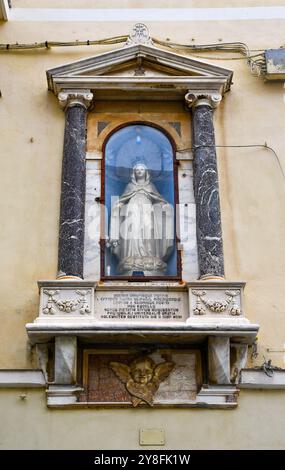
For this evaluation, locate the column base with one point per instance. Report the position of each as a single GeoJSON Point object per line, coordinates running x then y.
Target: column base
{"type": "Point", "coordinates": [211, 277]}
{"type": "Point", "coordinates": [60, 395]}
{"type": "Point", "coordinates": [64, 277]}
{"type": "Point", "coordinates": [218, 396]}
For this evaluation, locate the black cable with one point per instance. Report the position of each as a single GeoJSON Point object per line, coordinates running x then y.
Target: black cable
{"type": "Point", "coordinates": [239, 146]}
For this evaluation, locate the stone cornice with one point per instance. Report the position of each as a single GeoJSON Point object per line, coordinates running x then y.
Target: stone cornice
{"type": "Point", "coordinates": [257, 379]}
{"type": "Point", "coordinates": [21, 378]}
{"type": "Point", "coordinates": [166, 88]}
{"type": "Point", "coordinates": [41, 333]}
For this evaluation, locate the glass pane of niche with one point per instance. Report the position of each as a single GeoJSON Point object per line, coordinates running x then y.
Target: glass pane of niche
{"type": "Point", "coordinates": [140, 238]}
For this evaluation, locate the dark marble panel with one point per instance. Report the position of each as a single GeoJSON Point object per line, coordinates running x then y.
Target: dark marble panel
{"type": "Point", "coordinates": [176, 126]}
{"type": "Point", "coordinates": [206, 189]}
{"type": "Point", "coordinates": [102, 125]}
{"type": "Point", "coordinates": [71, 236]}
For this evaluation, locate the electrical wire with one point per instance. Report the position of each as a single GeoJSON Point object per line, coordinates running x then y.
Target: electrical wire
{"type": "Point", "coordinates": [257, 66]}
{"type": "Point", "coordinates": [226, 58]}
{"type": "Point", "coordinates": [267, 147]}
{"type": "Point", "coordinates": [229, 46]}
{"type": "Point", "coordinates": [50, 44]}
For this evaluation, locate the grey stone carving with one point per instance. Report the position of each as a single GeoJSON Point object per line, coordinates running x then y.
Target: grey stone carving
{"type": "Point", "coordinates": [71, 98]}
{"type": "Point", "coordinates": [226, 305]}
{"type": "Point", "coordinates": [139, 35]}
{"type": "Point", "coordinates": [208, 99]}
{"type": "Point", "coordinates": [69, 305]}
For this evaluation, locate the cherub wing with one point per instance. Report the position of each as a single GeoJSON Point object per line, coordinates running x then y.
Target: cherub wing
{"type": "Point", "coordinates": [162, 371]}
{"type": "Point", "coordinates": [122, 371]}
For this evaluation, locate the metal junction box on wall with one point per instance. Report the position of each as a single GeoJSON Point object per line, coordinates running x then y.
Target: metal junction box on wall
{"type": "Point", "coordinates": [275, 64]}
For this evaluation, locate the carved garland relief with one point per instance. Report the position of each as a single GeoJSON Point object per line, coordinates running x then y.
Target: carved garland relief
{"type": "Point", "coordinates": [54, 305]}
{"type": "Point", "coordinates": [228, 305]}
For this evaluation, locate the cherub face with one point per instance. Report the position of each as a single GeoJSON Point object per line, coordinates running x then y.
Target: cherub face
{"type": "Point", "coordinates": [140, 171]}
{"type": "Point", "coordinates": [142, 372]}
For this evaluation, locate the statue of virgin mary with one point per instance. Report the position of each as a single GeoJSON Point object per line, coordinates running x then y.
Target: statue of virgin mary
{"type": "Point", "coordinates": [141, 234]}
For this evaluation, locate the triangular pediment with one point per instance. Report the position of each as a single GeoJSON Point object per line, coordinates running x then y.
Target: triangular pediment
{"type": "Point", "coordinates": [136, 64]}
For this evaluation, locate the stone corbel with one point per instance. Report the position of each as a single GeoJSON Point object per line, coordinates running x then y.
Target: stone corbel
{"type": "Point", "coordinates": [219, 360]}
{"type": "Point", "coordinates": [43, 358]}
{"type": "Point", "coordinates": [69, 98]}
{"type": "Point", "coordinates": [197, 99]}
{"type": "Point", "coordinates": [225, 360]}
{"type": "Point", "coordinates": [239, 351]}
{"type": "Point", "coordinates": [65, 360]}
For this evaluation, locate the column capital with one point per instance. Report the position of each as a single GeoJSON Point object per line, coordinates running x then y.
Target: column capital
{"type": "Point", "coordinates": [207, 99]}
{"type": "Point", "coordinates": [69, 98]}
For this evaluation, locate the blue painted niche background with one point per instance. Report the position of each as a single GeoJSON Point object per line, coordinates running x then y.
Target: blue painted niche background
{"type": "Point", "coordinates": [126, 147]}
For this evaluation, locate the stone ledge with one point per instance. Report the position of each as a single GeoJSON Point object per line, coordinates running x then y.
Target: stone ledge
{"type": "Point", "coordinates": [63, 283]}
{"type": "Point", "coordinates": [89, 405]}
{"type": "Point", "coordinates": [19, 378]}
{"type": "Point", "coordinates": [257, 379]}
{"type": "Point", "coordinates": [134, 334]}
{"type": "Point", "coordinates": [211, 397]}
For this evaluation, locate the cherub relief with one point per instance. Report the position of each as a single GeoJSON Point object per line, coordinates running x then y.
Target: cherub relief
{"type": "Point", "coordinates": [142, 378]}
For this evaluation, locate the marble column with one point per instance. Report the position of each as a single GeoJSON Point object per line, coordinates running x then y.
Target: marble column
{"type": "Point", "coordinates": [206, 188]}
{"type": "Point", "coordinates": [73, 183]}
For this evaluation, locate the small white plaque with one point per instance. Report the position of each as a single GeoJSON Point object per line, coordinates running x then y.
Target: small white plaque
{"type": "Point", "coordinates": [152, 437]}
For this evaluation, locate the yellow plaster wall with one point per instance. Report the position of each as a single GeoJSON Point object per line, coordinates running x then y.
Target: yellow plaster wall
{"type": "Point", "coordinates": [244, 428]}
{"type": "Point", "coordinates": [142, 3]}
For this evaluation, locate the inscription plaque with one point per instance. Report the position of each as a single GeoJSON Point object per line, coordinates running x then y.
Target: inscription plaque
{"type": "Point", "coordinates": [141, 306]}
